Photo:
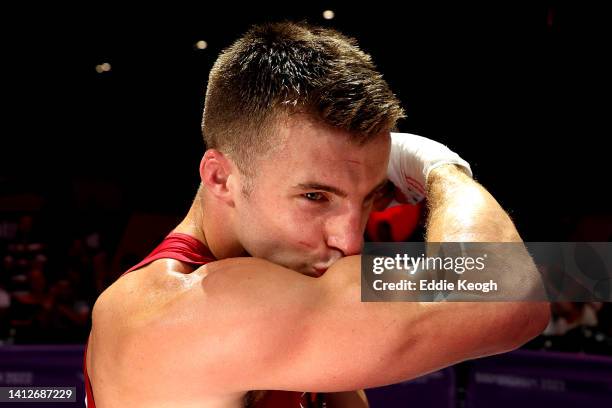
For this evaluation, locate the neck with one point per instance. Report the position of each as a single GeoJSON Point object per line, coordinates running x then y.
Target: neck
{"type": "Point", "coordinates": [212, 227]}
{"type": "Point", "coordinates": [192, 223]}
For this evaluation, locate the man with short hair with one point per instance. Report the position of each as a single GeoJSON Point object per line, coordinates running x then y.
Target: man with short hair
{"type": "Point", "coordinates": [298, 127]}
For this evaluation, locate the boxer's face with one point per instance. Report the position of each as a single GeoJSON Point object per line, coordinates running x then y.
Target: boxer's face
{"type": "Point", "coordinates": [311, 198]}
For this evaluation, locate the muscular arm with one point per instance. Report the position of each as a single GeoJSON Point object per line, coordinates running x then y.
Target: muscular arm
{"type": "Point", "coordinates": [461, 210]}
{"type": "Point", "coordinates": [262, 326]}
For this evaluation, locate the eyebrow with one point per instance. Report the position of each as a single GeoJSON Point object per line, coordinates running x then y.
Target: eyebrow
{"type": "Point", "coordinates": [312, 185]}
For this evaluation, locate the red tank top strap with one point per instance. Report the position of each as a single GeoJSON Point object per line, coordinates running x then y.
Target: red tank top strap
{"type": "Point", "coordinates": [181, 247]}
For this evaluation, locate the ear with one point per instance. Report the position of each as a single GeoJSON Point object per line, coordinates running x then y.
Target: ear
{"type": "Point", "coordinates": [218, 174]}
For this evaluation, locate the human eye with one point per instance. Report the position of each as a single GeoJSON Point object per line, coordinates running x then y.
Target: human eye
{"type": "Point", "coordinates": [314, 197]}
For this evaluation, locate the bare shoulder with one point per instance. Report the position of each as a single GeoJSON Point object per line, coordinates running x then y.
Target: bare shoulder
{"type": "Point", "coordinates": [152, 318]}
{"type": "Point", "coordinates": [132, 293]}
{"type": "Point", "coordinates": [152, 299]}
{"type": "Point", "coordinates": [142, 325]}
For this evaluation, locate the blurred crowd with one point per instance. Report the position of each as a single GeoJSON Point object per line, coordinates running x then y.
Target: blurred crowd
{"type": "Point", "coordinates": [46, 297]}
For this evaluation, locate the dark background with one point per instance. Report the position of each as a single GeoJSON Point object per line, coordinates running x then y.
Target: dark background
{"type": "Point", "coordinates": [521, 92]}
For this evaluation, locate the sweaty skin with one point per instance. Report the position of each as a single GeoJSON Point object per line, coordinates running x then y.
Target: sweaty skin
{"type": "Point", "coordinates": [290, 316]}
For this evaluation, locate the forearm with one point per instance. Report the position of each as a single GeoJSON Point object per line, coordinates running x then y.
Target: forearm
{"type": "Point", "coordinates": [461, 210]}
{"type": "Point", "coordinates": [426, 336]}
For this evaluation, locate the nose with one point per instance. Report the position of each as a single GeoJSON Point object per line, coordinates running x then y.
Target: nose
{"type": "Point", "coordinates": [345, 232]}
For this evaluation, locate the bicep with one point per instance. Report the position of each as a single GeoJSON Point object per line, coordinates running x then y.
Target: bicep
{"type": "Point", "coordinates": [265, 327]}
{"type": "Point", "coordinates": [278, 329]}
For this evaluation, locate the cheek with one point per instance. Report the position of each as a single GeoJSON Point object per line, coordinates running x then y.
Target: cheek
{"type": "Point", "coordinates": [306, 227]}
{"type": "Point", "coordinates": [295, 225]}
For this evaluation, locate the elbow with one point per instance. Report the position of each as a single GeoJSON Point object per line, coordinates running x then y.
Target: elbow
{"type": "Point", "coordinates": [527, 320]}
{"type": "Point", "coordinates": [538, 319]}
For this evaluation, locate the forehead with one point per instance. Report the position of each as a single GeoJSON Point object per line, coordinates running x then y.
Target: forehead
{"type": "Point", "coordinates": [308, 149]}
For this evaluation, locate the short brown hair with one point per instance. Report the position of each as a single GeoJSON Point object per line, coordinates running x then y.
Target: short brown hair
{"type": "Point", "coordinates": [289, 68]}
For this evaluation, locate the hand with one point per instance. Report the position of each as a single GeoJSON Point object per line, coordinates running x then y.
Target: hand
{"type": "Point", "coordinates": [412, 159]}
